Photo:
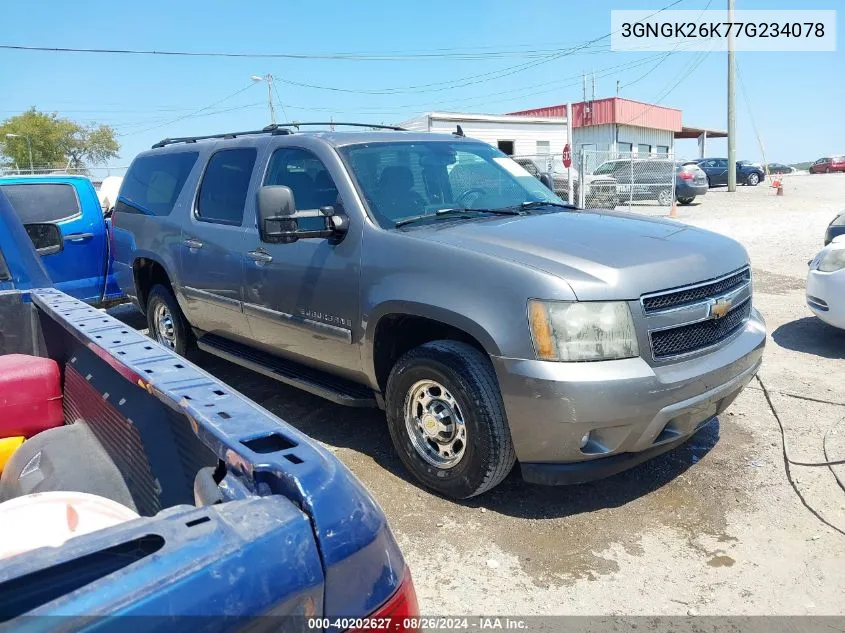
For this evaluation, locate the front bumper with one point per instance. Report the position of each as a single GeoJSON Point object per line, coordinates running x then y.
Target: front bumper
{"type": "Point", "coordinates": [826, 296]}
{"type": "Point", "coordinates": [628, 410]}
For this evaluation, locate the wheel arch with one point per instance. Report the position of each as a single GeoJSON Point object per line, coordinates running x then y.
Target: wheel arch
{"type": "Point", "coordinates": [147, 271]}
{"type": "Point", "coordinates": [398, 326]}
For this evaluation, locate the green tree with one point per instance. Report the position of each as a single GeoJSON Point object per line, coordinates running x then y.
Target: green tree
{"type": "Point", "coordinates": [56, 142]}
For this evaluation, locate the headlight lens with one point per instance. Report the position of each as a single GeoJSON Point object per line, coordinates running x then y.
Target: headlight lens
{"type": "Point", "coordinates": [834, 260]}
{"type": "Point", "coordinates": [582, 331]}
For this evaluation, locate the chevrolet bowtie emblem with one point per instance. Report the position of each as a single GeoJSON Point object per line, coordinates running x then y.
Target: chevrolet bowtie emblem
{"type": "Point", "coordinates": [720, 308]}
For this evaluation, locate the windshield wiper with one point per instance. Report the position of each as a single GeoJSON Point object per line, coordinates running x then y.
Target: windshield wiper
{"type": "Point", "coordinates": [536, 204]}
{"type": "Point", "coordinates": [456, 212]}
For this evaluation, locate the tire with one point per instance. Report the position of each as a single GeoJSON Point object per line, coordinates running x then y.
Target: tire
{"type": "Point", "coordinates": [752, 180]}
{"type": "Point", "coordinates": [686, 201]}
{"type": "Point", "coordinates": [469, 382]}
{"type": "Point", "coordinates": [664, 197]}
{"type": "Point", "coordinates": [709, 184]}
{"type": "Point", "coordinates": [162, 309]}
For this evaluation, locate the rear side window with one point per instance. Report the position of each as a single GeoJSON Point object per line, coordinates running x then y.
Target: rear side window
{"type": "Point", "coordinates": [225, 184]}
{"type": "Point", "coordinates": [43, 202]}
{"type": "Point", "coordinates": [153, 183]}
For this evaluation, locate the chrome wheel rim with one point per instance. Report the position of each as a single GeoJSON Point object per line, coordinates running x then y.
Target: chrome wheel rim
{"type": "Point", "coordinates": [165, 331]}
{"type": "Point", "coordinates": [664, 198]}
{"type": "Point", "coordinates": [435, 424]}
{"type": "Point", "coordinates": [752, 179]}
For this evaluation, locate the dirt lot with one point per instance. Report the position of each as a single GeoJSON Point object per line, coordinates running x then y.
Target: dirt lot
{"type": "Point", "coordinates": [711, 528]}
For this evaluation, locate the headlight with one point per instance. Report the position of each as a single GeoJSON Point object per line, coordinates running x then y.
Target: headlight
{"type": "Point", "coordinates": [582, 331]}
{"type": "Point", "coordinates": [834, 260]}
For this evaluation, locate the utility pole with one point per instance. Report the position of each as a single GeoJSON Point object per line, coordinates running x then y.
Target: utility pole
{"type": "Point", "coordinates": [617, 87]}
{"type": "Point", "coordinates": [269, 79]}
{"type": "Point", "coordinates": [584, 77]}
{"type": "Point", "coordinates": [594, 86]}
{"type": "Point", "coordinates": [731, 104]}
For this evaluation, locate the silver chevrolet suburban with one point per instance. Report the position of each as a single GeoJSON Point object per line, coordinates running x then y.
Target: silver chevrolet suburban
{"type": "Point", "coordinates": [432, 276]}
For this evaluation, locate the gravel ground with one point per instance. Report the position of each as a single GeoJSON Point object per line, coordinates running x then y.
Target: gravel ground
{"type": "Point", "coordinates": [713, 527]}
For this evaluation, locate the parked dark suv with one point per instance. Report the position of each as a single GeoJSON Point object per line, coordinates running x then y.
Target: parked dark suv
{"type": "Point", "coordinates": [651, 179]}
{"type": "Point", "coordinates": [430, 275]}
{"type": "Point", "coordinates": [747, 173]}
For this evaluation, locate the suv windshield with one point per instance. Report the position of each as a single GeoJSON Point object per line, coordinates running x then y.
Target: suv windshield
{"type": "Point", "coordinates": [405, 180]}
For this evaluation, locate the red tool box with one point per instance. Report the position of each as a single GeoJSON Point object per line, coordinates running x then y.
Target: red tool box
{"type": "Point", "coordinates": [30, 395]}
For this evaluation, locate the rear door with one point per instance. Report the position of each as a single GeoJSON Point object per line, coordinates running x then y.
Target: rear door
{"type": "Point", "coordinates": [213, 239]}
{"type": "Point", "coordinates": [719, 173]}
{"type": "Point", "coordinates": [77, 261]}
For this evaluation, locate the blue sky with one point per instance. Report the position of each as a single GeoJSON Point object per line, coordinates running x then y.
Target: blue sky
{"type": "Point", "coordinates": [797, 99]}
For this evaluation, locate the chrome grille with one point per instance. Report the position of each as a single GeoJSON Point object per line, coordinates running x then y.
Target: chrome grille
{"type": "Point", "coordinates": [689, 295]}
{"type": "Point", "coordinates": [696, 336]}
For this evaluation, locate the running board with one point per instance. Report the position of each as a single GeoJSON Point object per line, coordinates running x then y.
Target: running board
{"type": "Point", "coordinates": [319, 383]}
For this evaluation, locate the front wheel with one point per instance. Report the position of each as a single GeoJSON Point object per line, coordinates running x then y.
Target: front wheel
{"type": "Point", "coordinates": [686, 201]}
{"type": "Point", "coordinates": [753, 180]}
{"type": "Point", "coordinates": [447, 420]}
{"type": "Point", "coordinates": [167, 324]}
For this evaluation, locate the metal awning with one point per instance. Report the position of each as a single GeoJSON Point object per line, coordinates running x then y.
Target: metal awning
{"type": "Point", "coordinates": [696, 132]}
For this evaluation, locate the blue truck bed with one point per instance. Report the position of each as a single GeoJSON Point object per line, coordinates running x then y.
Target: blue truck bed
{"type": "Point", "coordinates": [242, 515]}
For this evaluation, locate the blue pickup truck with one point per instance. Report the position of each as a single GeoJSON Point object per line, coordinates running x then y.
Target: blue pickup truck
{"type": "Point", "coordinates": [241, 515]}
{"type": "Point", "coordinates": [63, 217]}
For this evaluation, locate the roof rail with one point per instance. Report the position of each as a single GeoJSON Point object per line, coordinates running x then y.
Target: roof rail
{"type": "Point", "coordinates": [372, 126]}
{"type": "Point", "coordinates": [274, 128]}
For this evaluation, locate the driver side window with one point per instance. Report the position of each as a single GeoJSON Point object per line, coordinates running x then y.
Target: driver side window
{"type": "Point", "coordinates": [308, 179]}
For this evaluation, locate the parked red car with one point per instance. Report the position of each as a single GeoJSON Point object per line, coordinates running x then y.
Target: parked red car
{"type": "Point", "coordinates": [828, 164]}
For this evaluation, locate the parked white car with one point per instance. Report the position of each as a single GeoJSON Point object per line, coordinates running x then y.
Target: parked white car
{"type": "Point", "coordinates": [107, 193]}
{"type": "Point", "coordinates": [826, 283]}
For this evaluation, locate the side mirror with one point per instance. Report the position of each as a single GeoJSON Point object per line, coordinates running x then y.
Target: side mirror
{"type": "Point", "coordinates": [46, 238]}
{"type": "Point", "coordinates": [278, 217]}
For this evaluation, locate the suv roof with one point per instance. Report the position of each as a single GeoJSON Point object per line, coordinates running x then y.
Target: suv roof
{"type": "Point", "coordinates": [373, 134]}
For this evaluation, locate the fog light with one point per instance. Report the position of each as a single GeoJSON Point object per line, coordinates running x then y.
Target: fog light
{"type": "Point", "coordinates": [585, 440]}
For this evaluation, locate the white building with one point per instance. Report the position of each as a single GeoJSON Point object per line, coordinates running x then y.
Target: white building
{"type": "Point", "coordinates": [513, 135]}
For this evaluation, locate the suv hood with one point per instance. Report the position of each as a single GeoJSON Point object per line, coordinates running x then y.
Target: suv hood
{"type": "Point", "coordinates": [603, 256]}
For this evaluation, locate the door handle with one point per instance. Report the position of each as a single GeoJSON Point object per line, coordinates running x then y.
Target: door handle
{"type": "Point", "coordinates": [260, 257]}
{"type": "Point", "coordinates": [78, 237]}
{"type": "Point", "coordinates": [192, 243]}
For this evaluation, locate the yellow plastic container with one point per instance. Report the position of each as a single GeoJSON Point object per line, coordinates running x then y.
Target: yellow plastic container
{"type": "Point", "coordinates": [8, 445]}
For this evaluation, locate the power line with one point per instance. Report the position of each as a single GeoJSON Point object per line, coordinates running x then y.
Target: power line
{"type": "Point", "coordinates": [665, 57]}
{"type": "Point", "coordinates": [678, 80]}
{"type": "Point", "coordinates": [279, 98]}
{"type": "Point", "coordinates": [471, 79]}
{"type": "Point", "coordinates": [197, 112]}
{"type": "Point", "coordinates": [751, 114]}
{"type": "Point", "coordinates": [423, 87]}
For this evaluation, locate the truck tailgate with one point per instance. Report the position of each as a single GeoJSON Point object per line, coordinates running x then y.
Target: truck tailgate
{"type": "Point", "coordinates": [237, 559]}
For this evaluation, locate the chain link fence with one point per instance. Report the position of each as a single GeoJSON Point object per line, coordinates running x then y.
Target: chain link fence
{"type": "Point", "coordinates": [643, 184]}
{"type": "Point", "coordinates": [96, 174]}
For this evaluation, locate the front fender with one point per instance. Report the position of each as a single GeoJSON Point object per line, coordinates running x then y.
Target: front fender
{"type": "Point", "coordinates": [425, 310]}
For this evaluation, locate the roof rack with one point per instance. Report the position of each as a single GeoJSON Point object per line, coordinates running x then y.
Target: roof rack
{"type": "Point", "coordinates": [274, 128]}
